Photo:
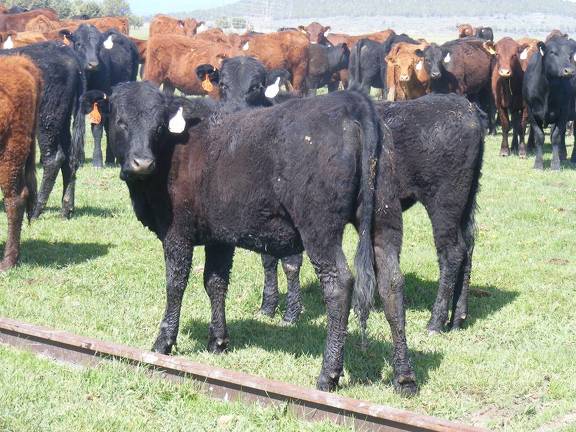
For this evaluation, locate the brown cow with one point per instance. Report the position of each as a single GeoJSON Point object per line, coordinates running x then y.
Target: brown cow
{"type": "Point", "coordinates": [14, 39]}
{"type": "Point", "coordinates": [163, 24]}
{"type": "Point", "coordinates": [465, 30]}
{"type": "Point", "coordinates": [406, 77]}
{"type": "Point", "coordinates": [141, 45]}
{"type": "Point", "coordinates": [20, 90]}
{"type": "Point", "coordinates": [42, 24]}
{"type": "Point", "coordinates": [529, 47]}
{"type": "Point", "coordinates": [507, 78]}
{"type": "Point", "coordinates": [103, 24]}
{"type": "Point", "coordinates": [281, 50]}
{"type": "Point", "coordinates": [17, 22]}
{"type": "Point", "coordinates": [172, 59]}
{"type": "Point", "coordinates": [3, 10]}
{"type": "Point", "coordinates": [316, 33]}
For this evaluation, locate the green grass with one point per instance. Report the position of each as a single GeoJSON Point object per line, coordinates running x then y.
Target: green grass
{"type": "Point", "coordinates": [101, 274]}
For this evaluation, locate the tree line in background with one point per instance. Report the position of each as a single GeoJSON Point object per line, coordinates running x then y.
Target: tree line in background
{"type": "Point", "coordinates": [408, 8]}
{"type": "Point", "coordinates": [76, 8]}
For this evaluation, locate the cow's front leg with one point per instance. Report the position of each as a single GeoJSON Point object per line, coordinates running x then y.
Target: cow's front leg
{"type": "Point", "coordinates": [178, 258]}
{"type": "Point", "coordinates": [216, 277]}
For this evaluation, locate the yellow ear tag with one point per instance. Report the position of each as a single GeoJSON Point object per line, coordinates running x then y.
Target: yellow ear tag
{"type": "Point", "coordinates": [95, 116]}
{"type": "Point", "coordinates": [207, 85]}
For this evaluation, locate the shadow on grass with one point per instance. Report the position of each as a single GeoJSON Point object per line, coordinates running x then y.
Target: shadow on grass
{"type": "Point", "coordinates": [483, 301]}
{"type": "Point", "coordinates": [308, 338]}
{"type": "Point", "coordinates": [85, 211]}
{"type": "Point", "coordinates": [59, 254]}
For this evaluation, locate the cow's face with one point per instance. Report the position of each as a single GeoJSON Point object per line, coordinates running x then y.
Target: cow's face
{"type": "Point", "coordinates": [559, 57]}
{"type": "Point", "coordinates": [407, 64]}
{"type": "Point", "coordinates": [435, 59]}
{"type": "Point", "coordinates": [144, 124]}
{"type": "Point", "coordinates": [190, 26]}
{"type": "Point", "coordinates": [241, 81]}
{"type": "Point", "coordinates": [316, 33]}
{"type": "Point", "coordinates": [507, 57]}
{"type": "Point", "coordinates": [465, 30]}
{"type": "Point", "coordinates": [86, 41]}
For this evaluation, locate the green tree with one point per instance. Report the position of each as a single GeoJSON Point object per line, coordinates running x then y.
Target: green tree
{"type": "Point", "coordinates": [115, 8]}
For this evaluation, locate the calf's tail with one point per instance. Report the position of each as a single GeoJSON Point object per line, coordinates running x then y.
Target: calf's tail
{"type": "Point", "coordinates": [365, 283]}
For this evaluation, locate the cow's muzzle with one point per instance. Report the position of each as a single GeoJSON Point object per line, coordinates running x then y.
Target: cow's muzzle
{"type": "Point", "coordinates": [139, 167]}
{"type": "Point", "coordinates": [504, 73]}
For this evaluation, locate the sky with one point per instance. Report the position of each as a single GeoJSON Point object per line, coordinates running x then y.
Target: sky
{"type": "Point", "coordinates": [149, 7]}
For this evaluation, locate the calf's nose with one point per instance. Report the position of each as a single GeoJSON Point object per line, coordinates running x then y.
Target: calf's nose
{"type": "Point", "coordinates": [404, 78]}
{"type": "Point", "coordinates": [504, 72]}
{"type": "Point", "coordinates": [142, 166]}
{"type": "Point", "coordinates": [568, 72]}
{"type": "Point", "coordinates": [92, 65]}
{"type": "Point", "coordinates": [435, 75]}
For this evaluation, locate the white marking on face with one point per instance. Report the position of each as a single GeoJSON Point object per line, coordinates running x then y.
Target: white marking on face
{"type": "Point", "coordinates": [447, 58]}
{"type": "Point", "coordinates": [246, 46]}
{"type": "Point", "coordinates": [9, 43]}
{"type": "Point", "coordinates": [108, 43]}
{"type": "Point", "coordinates": [419, 65]}
{"type": "Point", "coordinates": [273, 89]}
{"type": "Point", "coordinates": [524, 54]}
{"type": "Point", "coordinates": [177, 123]}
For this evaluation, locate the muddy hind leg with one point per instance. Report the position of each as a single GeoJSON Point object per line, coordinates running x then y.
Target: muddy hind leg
{"type": "Point", "coordinates": [15, 197]}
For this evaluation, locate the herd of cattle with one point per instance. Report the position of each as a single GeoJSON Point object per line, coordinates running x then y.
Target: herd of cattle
{"type": "Point", "coordinates": [278, 172]}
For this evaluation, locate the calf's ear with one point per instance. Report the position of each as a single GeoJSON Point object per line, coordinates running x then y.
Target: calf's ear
{"type": "Point", "coordinates": [92, 97]}
{"type": "Point", "coordinates": [66, 35]}
{"type": "Point", "coordinates": [542, 48]}
{"type": "Point", "coordinates": [490, 47]}
{"type": "Point", "coordinates": [419, 52]}
{"type": "Point", "coordinates": [207, 71]}
{"type": "Point", "coordinates": [182, 113]}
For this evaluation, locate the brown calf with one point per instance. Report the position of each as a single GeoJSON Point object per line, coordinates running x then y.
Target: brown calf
{"type": "Point", "coordinates": [281, 50]}
{"type": "Point", "coordinates": [172, 59]}
{"type": "Point", "coordinates": [507, 78]}
{"type": "Point", "coordinates": [42, 24]}
{"type": "Point", "coordinates": [465, 30]}
{"type": "Point", "coordinates": [316, 33]}
{"type": "Point", "coordinates": [17, 22]}
{"type": "Point", "coordinates": [406, 77]}
{"type": "Point", "coordinates": [162, 24]}
{"type": "Point", "coordinates": [20, 90]}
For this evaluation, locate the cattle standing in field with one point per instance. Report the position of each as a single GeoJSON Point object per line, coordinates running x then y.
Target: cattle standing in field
{"type": "Point", "coordinates": [430, 170]}
{"type": "Point", "coordinates": [282, 50]}
{"type": "Point", "coordinates": [463, 66]}
{"type": "Point", "coordinates": [466, 30]}
{"type": "Point", "coordinates": [549, 86]}
{"type": "Point", "coordinates": [507, 78]}
{"type": "Point", "coordinates": [64, 82]}
{"type": "Point", "coordinates": [171, 61]}
{"type": "Point", "coordinates": [108, 59]}
{"type": "Point", "coordinates": [199, 176]}
{"type": "Point", "coordinates": [162, 25]}
{"type": "Point", "coordinates": [367, 66]}
{"type": "Point", "coordinates": [17, 22]}
{"type": "Point", "coordinates": [316, 33]}
{"type": "Point", "coordinates": [20, 91]}
{"type": "Point", "coordinates": [406, 77]}
{"type": "Point", "coordinates": [324, 63]}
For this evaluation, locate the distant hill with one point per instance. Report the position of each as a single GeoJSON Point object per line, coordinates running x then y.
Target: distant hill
{"type": "Point", "coordinates": [411, 8]}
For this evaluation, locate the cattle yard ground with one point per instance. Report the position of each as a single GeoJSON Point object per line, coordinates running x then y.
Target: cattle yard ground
{"type": "Point", "coordinates": [101, 274]}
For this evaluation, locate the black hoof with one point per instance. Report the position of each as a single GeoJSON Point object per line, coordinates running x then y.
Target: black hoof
{"type": "Point", "coordinates": [405, 386]}
{"type": "Point", "coordinates": [97, 165]}
{"type": "Point", "coordinates": [328, 383]}
{"type": "Point", "coordinates": [217, 346]}
{"type": "Point", "coordinates": [269, 312]}
{"type": "Point", "coordinates": [291, 316]}
{"type": "Point", "coordinates": [162, 347]}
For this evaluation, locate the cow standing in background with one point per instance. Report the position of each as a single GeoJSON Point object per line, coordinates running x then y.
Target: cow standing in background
{"type": "Point", "coordinates": [324, 63]}
{"type": "Point", "coordinates": [549, 88]}
{"type": "Point", "coordinates": [108, 59]}
{"type": "Point", "coordinates": [406, 76]}
{"type": "Point", "coordinates": [507, 79]}
{"type": "Point", "coordinates": [64, 83]}
{"type": "Point", "coordinates": [20, 92]}
{"type": "Point", "coordinates": [18, 21]}
{"type": "Point", "coordinates": [163, 24]}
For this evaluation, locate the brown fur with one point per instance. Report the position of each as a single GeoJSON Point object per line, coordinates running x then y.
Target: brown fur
{"type": "Point", "coordinates": [103, 24]}
{"type": "Point", "coordinates": [532, 45]}
{"type": "Point", "coordinates": [22, 38]}
{"type": "Point", "coordinates": [402, 60]}
{"type": "Point", "coordinates": [42, 24]}
{"type": "Point", "coordinates": [465, 30]}
{"type": "Point", "coordinates": [315, 32]}
{"type": "Point", "coordinates": [20, 92]}
{"type": "Point", "coordinates": [17, 22]}
{"type": "Point", "coordinates": [338, 38]}
{"type": "Point", "coordinates": [172, 59]}
{"type": "Point", "coordinates": [142, 45]}
{"type": "Point", "coordinates": [282, 50]}
{"type": "Point", "coordinates": [162, 24]}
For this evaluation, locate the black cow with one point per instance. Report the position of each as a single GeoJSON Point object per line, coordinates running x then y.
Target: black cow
{"type": "Point", "coordinates": [108, 58]}
{"type": "Point", "coordinates": [463, 66]}
{"type": "Point", "coordinates": [17, 10]}
{"type": "Point", "coordinates": [367, 65]}
{"type": "Point", "coordinates": [444, 178]}
{"type": "Point", "coordinates": [324, 63]}
{"type": "Point", "coordinates": [485, 33]}
{"type": "Point", "coordinates": [198, 176]}
{"type": "Point", "coordinates": [64, 83]}
{"type": "Point", "coordinates": [548, 88]}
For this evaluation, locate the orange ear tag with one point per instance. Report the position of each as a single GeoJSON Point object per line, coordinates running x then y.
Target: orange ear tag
{"type": "Point", "coordinates": [95, 116]}
{"type": "Point", "coordinates": [66, 41]}
{"type": "Point", "coordinates": [207, 85]}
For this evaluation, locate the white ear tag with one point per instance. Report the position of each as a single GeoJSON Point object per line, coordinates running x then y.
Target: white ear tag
{"type": "Point", "coordinates": [327, 32]}
{"type": "Point", "coordinates": [574, 57]}
{"type": "Point", "coordinates": [273, 89]}
{"type": "Point", "coordinates": [419, 65]}
{"type": "Point", "coordinates": [524, 54]}
{"type": "Point", "coordinates": [541, 51]}
{"type": "Point", "coordinates": [108, 44]}
{"type": "Point", "coordinates": [246, 46]}
{"type": "Point", "coordinates": [9, 43]}
{"type": "Point", "coordinates": [447, 58]}
{"type": "Point", "coordinates": [202, 27]}
{"type": "Point", "coordinates": [177, 123]}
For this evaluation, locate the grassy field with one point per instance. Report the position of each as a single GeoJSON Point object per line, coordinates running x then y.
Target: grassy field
{"type": "Point", "coordinates": [101, 274]}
